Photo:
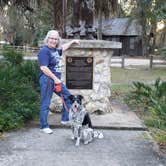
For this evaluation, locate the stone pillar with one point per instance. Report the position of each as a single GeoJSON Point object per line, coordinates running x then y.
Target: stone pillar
{"type": "Point", "coordinates": [97, 98]}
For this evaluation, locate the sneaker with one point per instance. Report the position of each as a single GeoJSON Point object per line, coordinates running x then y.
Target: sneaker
{"type": "Point", "coordinates": [50, 113]}
{"type": "Point", "coordinates": [65, 122]}
{"type": "Point", "coordinates": [47, 130]}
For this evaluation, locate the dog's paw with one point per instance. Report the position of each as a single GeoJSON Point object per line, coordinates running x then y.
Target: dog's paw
{"type": "Point", "coordinates": [73, 138]}
{"type": "Point", "coordinates": [86, 142]}
{"type": "Point", "coordinates": [77, 142]}
{"type": "Point", "coordinates": [98, 134]}
{"type": "Point", "coordinates": [101, 136]}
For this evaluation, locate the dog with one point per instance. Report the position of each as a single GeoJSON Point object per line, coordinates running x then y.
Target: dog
{"type": "Point", "coordinates": [81, 122]}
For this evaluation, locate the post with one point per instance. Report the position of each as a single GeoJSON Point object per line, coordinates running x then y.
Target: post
{"type": "Point", "coordinates": [123, 61]}
{"type": "Point", "coordinates": [151, 61]}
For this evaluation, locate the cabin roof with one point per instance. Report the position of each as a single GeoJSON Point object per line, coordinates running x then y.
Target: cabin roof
{"type": "Point", "coordinates": [120, 26]}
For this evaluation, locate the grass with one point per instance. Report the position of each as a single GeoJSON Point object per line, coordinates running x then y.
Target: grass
{"type": "Point", "coordinates": [121, 76]}
{"type": "Point", "coordinates": [119, 90]}
{"type": "Point", "coordinates": [122, 79]}
{"type": "Point", "coordinates": [159, 135]}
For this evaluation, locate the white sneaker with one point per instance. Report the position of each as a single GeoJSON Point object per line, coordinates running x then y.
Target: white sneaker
{"type": "Point", "coordinates": [47, 130]}
{"type": "Point", "coordinates": [65, 122]}
{"type": "Point", "coordinates": [50, 113]}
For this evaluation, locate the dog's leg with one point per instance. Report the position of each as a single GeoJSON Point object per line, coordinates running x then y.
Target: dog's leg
{"type": "Point", "coordinates": [78, 141]}
{"type": "Point", "coordinates": [72, 136]}
{"type": "Point", "coordinates": [88, 135]}
{"type": "Point", "coordinates": [85, 137]}
{"type": "Point", "coordinates": [78, 136]}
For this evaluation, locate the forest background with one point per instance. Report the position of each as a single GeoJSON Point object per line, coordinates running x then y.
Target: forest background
{"type": "Point", "coordinates": [26, 22]}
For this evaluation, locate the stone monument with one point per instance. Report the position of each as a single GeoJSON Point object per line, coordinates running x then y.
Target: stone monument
{"type": "Point", "coordinates": [86, 71]}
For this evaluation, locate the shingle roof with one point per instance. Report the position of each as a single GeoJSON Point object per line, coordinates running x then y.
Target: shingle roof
{"type": "Point", "coordinates": [120, 26]}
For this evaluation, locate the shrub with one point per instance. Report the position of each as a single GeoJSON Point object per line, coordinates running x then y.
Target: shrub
{"type": "Point", "coordinates": [13, 56]}
{"type": "Point", "coordinates": [40, 34]}
{"type": "Point", "coordinates": [9, 120]}
{"type": "Point", "coordinates": [19, 99]}
{"type": "Point", "coordinates": [29, 71]}
{"type": "Point", "coordinates": [151, 98]}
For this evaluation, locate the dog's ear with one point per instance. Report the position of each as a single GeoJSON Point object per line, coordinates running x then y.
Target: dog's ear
{"type": "Point", "coordinates": [80, 97]}
{"type": "Point", "coordinates": [71, 97]}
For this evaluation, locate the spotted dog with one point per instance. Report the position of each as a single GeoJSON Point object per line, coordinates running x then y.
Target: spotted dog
{"type": "Point", "coordinates": [80, 122]}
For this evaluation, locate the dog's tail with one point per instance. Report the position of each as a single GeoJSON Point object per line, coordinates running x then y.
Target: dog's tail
{"type": "Point", "coordinates": [98, 134]}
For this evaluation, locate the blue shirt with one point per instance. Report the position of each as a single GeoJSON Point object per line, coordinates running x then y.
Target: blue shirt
{"type": "Point", "coordinates": [52, 58]}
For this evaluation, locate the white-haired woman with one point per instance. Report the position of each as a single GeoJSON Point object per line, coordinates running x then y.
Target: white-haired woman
{"type": "Point", "coordinates": [49, 60]}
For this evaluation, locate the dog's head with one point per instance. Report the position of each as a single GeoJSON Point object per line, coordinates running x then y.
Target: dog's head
{"type": "Point", "coordinates": [76, 102]}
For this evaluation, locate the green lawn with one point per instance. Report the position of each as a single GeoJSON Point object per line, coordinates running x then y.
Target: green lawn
{"type": "Point", "coordinates": [126, 76]}
{"type": "Point", "coordinates": [121, 79]}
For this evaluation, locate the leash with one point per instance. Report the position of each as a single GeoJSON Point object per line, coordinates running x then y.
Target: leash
{"type": "Point", "coordinates": [58, 89]}
{"type": "Point", "coordinates": [64, 103]}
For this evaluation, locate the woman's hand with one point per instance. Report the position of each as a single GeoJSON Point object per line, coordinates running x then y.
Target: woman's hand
{"type": "Point", "coordinates": [57, 81]}
{"type": "Point", "coordinates": [68, 45]}
{"type": "Point", "coordinates": [48, 72]}
{"type": "Point", "coordinates": [76, 41]}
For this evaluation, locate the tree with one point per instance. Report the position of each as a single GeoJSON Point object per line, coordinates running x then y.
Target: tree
{"type": "Point", "coordinates": [25, 20]}
{"type": "Point", "coordinates": [24, 4]}
{"type": "Point", "coordinates": [149, 12]}
{"type": "Point", "coordinates": [19, 25]}
{"type": "Point", "coordinates": [58, 15]}
{"type": "Point", "coordinates": [106, 8]}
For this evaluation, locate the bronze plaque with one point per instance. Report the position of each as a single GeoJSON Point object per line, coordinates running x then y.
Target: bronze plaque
{"type": "Point", "coordinates": [79, 72]}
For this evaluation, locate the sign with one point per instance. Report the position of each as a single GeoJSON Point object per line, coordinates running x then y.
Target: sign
{"type": "Point", "coordinates": [79, 72]}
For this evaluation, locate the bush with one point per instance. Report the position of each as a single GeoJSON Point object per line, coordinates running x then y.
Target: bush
{"type": "Point", "coordinates": [29, 71]}
{"type": "Point", "coordinates": [9, 120]}
{"type": "Point", "coordinates": [12, 56]}
{"type": "Point", "coordinates": [19, 99]}
{"type": "Point", "coordinates": [40, 34]}
{"type": "Point", "coordinates": [151, 98]}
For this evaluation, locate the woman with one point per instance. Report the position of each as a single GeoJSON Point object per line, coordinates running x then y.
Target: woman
{"type": "Point", "coordinates": [49, 60]}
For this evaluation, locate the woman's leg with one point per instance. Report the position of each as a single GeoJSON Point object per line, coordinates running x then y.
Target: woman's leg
{"type": "Point", "coordinates": [46, 91]}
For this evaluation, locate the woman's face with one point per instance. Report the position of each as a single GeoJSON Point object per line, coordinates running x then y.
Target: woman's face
{"type": "Point", "coordinates": [53, 40]}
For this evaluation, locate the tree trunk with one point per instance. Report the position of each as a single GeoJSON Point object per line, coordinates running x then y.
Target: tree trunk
{"type": "Point", "coordinates": [154, 27]}
{"type": "Point", "coordinates": [99, 31]}
{"type": "Point", "coordinates": [64, 18]}
{"type": "Point", "coordinates": [58, 15]}
{"type": "Point", "coordinates": [144, 36]}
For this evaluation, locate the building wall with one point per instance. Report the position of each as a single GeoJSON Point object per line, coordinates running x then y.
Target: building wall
{"type": "Point", "coordinates": [131, 45]}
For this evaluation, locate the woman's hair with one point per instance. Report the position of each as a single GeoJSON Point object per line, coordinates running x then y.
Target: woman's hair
{"type": "Point", "coordinates": [50, 33]}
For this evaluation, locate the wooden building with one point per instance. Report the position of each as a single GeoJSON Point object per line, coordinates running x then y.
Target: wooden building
{"type": "Point", "coordinates": [125, 30]}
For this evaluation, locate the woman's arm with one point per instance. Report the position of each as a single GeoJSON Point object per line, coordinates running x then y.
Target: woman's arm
{"type": "Point", "coordinates": [67, 45]}
{"type": "Point", "coordinates": [48, 72]}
